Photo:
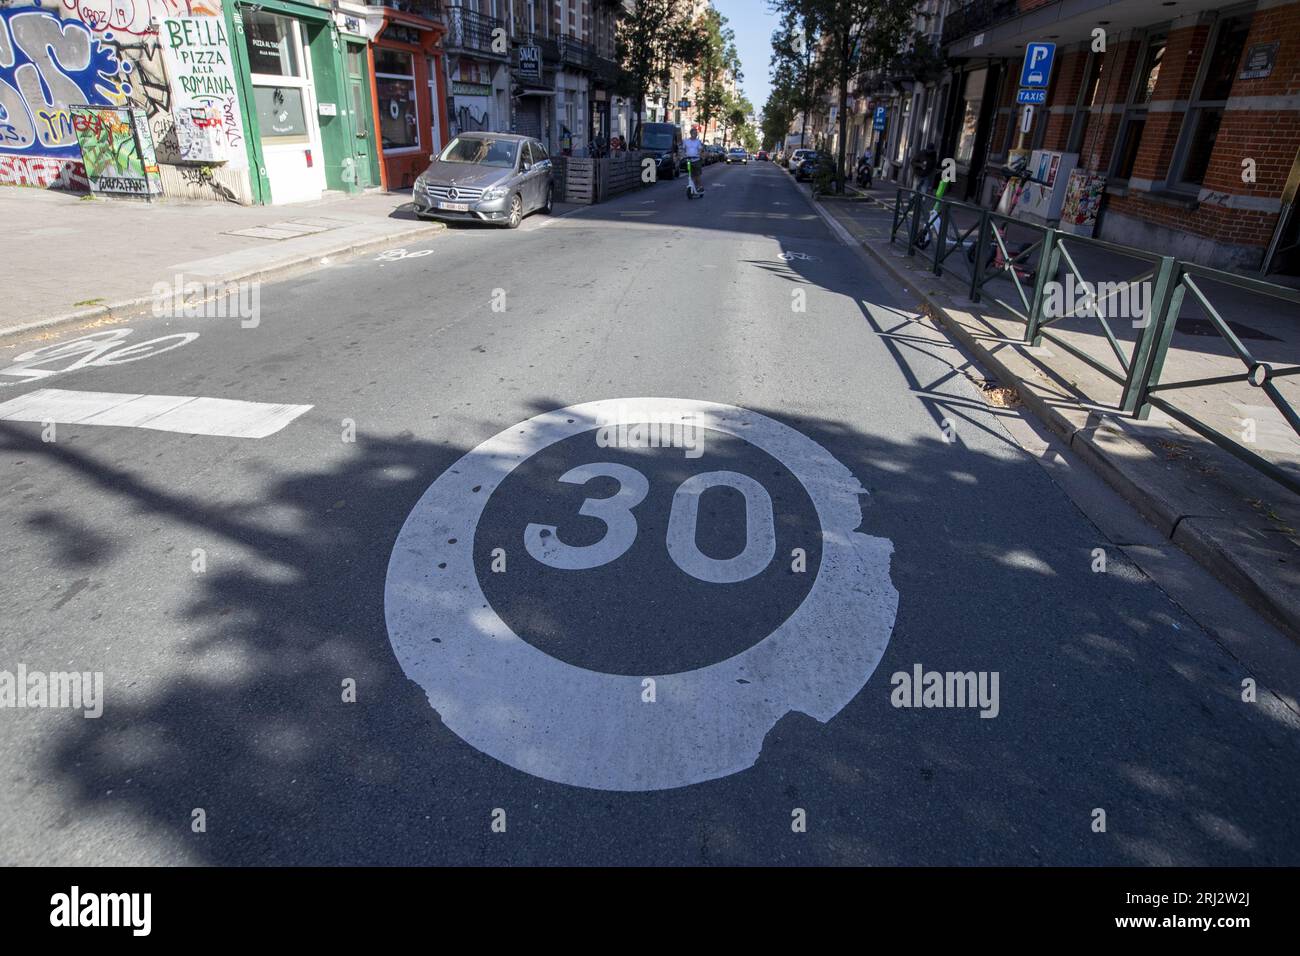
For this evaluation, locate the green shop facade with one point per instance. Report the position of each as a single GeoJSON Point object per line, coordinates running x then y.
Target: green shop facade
{"type": "Point", "coordinates": [303, 81]}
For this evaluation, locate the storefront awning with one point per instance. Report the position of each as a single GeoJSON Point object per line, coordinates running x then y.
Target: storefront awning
{"type": "Point", "coordinates": [531, 91]}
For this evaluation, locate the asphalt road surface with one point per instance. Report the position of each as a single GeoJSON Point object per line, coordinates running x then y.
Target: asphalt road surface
{"type": "Point", "coordinates": [601, 541]}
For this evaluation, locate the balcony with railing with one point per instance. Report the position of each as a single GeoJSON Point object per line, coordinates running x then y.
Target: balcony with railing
{"type": "Point", "coordinates": [577, 54]}
{"type": "Point", "coordinates": [976, 15]}
{"type": "Point", "coordinates": [468, 31]}
{"type": "Point", "coordinates": [432, 9]}
{"type": "Point", "coordinates": [606, 69]}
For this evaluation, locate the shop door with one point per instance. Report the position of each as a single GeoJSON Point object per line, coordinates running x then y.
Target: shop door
{"type": "Point", "coordinates": [362, 113]}
{"type": "Point", "coordinates": [284, 102]}
{"type": "Point", "coordinates": [528, 118]}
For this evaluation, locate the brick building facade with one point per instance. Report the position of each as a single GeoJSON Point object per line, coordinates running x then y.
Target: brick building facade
{"type": "Point", "coordinates": [1189, 110]}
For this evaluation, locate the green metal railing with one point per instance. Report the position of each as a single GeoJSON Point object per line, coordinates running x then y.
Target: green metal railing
{"type": "Point", "coordinates": [906, 213]}
{"type": "Point", "coordinates": [1130, 364]}
{"type": "Point", "coordinates": [1137, 369]}
{"type": "Point", "coordinates": [1258, 374]}
{"type": "Point", "coordinates": [952, 236]}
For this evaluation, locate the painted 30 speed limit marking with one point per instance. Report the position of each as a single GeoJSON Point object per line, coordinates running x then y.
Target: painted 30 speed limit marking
{"type": "Point", "coordinates": [629, 619]}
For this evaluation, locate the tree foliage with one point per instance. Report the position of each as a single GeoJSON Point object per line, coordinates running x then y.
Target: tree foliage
{"type": "Point", "coordinates": [846, 38]}
{"type": "Point", "coordinates": [710, 57]}
{"type": "Point", "coordinates": [654, 37]}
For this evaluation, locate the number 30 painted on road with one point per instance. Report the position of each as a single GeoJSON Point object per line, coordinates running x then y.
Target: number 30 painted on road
{"type": "Point", "coordinates": [554, 720]}
{"type": "Point", "coordinates": [543, 542]}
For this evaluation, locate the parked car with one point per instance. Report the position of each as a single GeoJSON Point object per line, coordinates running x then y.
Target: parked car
{"type": "Point", "coordinates": [737, 154]}
{"type": "Point", "coordinates": [714, 152]}
{"type": "Point", "coordinates": [762, 156]}
{"type": "Point", "coordinates": [664, 142]}
{"type": "Point", "coordinates": [806, 168]}
{"type": "Point", "coordinates": [486, 177]}
{"type": "Point", "coordinates": [798, 156]}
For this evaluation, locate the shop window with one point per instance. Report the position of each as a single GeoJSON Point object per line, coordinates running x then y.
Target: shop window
{"type": "Point", "coordinates": [1087, 102]}
{"type": "Point", "coordinates": [904, 127]}
{"type": "Point", "coordinates": [1135, 112]}
{"type": "Point", "coordinates": [1130, 139]}
{"type": "Point", "coordinates": [399, 123]}
{"type": "Point", "coordinates": [272, 43]}
{"type": "Point", "coordinates": [1205, 113]}
{"type": "Point", "coordinates": [280, 113]}
{"type": "Point", "coordinates": [972, 104]}
{"type": "Point", "coordinates": [1228, 47]}
{"type": "Point", "coordinates": [1149, 75]}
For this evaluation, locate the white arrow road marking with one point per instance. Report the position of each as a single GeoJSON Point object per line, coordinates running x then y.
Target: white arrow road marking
{"type": "Point", "coordinates": [188, 415]}
{"type": "Point", "coordinates": [571, 725]}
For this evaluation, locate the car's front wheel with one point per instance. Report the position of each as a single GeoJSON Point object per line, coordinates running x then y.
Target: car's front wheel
{"type": "Point", "coordinates": [516, 212]}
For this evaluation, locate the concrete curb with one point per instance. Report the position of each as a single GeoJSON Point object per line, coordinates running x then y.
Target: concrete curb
{"type": "Point", "coordinates": [1111, 454]}
{"type": "Point", "coordinates": [129, 308]}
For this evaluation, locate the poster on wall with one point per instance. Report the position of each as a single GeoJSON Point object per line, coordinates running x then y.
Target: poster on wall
{"type": "Point", "coordinates": [205, 106]}
{"type": "Point", "coordinates": [1082, 200]}
{"type": "Point", "coordinates": [199, 137]}
{"type": "Point", "coordinates": [117, 150]}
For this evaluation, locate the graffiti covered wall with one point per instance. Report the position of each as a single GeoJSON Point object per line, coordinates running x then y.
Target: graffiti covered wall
{"type": "Point", "coordinates": [102, 53]}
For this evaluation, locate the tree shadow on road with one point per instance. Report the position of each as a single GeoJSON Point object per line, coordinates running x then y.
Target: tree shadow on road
{"type": "Point", "coordinates": [1110, 698]}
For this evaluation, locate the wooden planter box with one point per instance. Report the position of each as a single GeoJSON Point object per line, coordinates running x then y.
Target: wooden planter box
{"type": "Point", "coordinates": [587, 181]}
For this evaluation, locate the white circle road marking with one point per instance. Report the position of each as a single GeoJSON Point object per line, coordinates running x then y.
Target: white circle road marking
{"type": "Point", "coordinates": [571, 725]}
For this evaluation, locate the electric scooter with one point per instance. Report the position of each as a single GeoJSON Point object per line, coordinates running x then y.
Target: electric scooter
{"type": "Point", "coordinates": [934, 219]}
{"type": "Point", "coordinates": [691, 191]}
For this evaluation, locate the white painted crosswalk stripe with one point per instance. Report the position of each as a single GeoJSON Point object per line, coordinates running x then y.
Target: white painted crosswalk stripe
{"type": "Point", "coordinates": [185, 414]}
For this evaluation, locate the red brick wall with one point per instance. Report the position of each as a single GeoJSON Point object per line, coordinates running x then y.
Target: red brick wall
{"type": "Point", "coordinates": [1278, 23]}
{"type": "Point", "coordinates": [1268, 136]}
{"type": "Point", "coordinates": [1065, 93]}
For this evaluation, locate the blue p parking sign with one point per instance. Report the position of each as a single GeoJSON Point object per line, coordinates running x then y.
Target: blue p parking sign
{"type": "Point", "coordinates": [878, 122]}
{"type": "Point", "coordinates": [1037, 68]}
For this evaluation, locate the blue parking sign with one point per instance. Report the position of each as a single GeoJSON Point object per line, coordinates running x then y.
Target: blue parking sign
{"type": "Point", "coordinates": [1037, 68]}
{"type": "Point", "coordinates": [879, 121]}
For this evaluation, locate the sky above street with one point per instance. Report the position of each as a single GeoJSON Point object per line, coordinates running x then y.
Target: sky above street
{"type": "Point", "coordinates": [753, 22]}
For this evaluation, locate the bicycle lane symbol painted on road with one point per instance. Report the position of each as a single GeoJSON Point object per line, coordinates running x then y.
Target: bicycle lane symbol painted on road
{"type": "Point", "coordinates": [397, 255]}
{"type": "Point", "coordinates": [98, 349]}
{"type": "Point", "coordinates": [624, 565]}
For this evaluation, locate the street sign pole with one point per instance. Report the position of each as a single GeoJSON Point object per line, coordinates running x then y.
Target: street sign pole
{"type": "Point", "coordinates": [1035, 75]}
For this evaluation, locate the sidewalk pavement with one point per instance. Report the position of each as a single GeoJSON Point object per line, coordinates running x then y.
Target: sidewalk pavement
{"type": "Point", "coordinates": [50, 241]}
{"type": "Point", "coordinates": [1236, 521]}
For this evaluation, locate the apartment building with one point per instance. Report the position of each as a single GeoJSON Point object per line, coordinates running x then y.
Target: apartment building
{"type": "Point", "coordinates": [544, 68]}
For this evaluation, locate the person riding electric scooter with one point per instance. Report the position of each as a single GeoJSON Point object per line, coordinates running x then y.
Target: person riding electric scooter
{"type": "Point", "coordinates": [694, 150]}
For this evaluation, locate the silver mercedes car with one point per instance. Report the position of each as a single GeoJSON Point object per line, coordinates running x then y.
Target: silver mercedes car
{"type": "Point", "coordinates": [486, 177]}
